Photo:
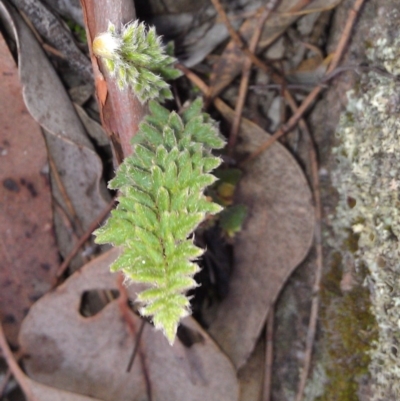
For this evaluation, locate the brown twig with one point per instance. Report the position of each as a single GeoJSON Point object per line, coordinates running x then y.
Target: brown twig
{"type": "Point", "coordinates": [18, 374]}
{"type": "Point", "coordinates": [315, 179]}
{"type": "Point", "coordinates": [132, 325]}
{"type": "Point", "coordinates": [318, 244]}
{"type": "Point", "coordinates": [316, 91]}
{"type": "Point", "coordinates": [269, 355]}
{"type": "Point", "coordinates": [136, 347]}
{"type": "Point", "coordinates": [312, 326]}
{"type": "Point", "coordinates": [77, 226]}
{"type": "Point", "coordinates": [45, 46]}
{"type": "Point", "coordinates": [244, 83]}
{"type": "Point", "coordinates": [237, 39]}
{"type": "Point", "coordinates": [123, 302]}
{"type": "Point", "coordinates": [85, 237]}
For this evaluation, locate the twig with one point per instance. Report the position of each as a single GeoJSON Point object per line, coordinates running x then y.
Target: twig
{"type": "Point", "coordinates": [312, 326]}
{"type": "Point", "coordinates": [136, 347]}
{"type": "Point", "coordinates": [269, 355]}
{"type": "Point", "coordinates": [123, 300]}
{"type": "Point", "coordinates": [18, 374]}
{"type": "Point", "coordinates": [315, 92]}
{"type": "Point", "coordinates": [318, 244]}
{"type": "Point", "coordinates": [77, 226]}
{"type": "Point", "coordinates": [45, 46]}
{"type": "Point", "coordinates": [84, 238]}
{"type": "Point", "coordinates": [244, 83]}
{"type": "Point", "coordinates": [132, 325]}
{"type": "Point", "coordinates": [303, 87]}
{"type": "Point", "coordinates": [237, 39]}
{"type": "Point", "coordinates": [315, 178]}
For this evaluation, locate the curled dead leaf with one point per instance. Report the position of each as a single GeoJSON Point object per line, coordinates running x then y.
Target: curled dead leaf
{"type": "Point", "coordinates": [276, 237]}
{"type": "Point", "coordinates": [89, 355]}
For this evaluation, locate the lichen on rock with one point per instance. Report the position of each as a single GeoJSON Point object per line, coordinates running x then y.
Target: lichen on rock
{"type": "Point", "coordinates": [367, 178]}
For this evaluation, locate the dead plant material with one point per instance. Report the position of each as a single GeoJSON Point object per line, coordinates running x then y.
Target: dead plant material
{"type": "Point", "coordinates": [84, 238]}
{"type": "Point", "coordinates": [269, 354]}
{"type": "Point", "coordinates": [309, 100]}
{"type": "Point", "coordinates": [244, 83]}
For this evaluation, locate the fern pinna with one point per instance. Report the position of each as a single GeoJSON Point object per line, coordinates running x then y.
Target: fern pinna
{"type": "Point", "coordinates": [161, 202]}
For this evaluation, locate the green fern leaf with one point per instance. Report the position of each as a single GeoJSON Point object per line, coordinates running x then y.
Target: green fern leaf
{"type": "Point", "coordinates": [161, 203]}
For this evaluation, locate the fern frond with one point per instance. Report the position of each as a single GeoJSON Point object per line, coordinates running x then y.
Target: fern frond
{"type": "Point", "coordinates": [161, 203]}
{"type": "Point", "coordinates": [137, 59]}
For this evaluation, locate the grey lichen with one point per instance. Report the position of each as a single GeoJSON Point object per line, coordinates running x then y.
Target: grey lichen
{"type": "Point", "coordinates": [367, 178]}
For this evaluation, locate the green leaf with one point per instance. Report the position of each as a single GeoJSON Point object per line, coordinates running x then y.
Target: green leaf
{"type": "Point", "coordinates": [232, 218]}
{"type": "Point", "coordinates": [201, 181]}
{"type": "Point", "coordinates": [145, 155]}
{"type": "Point", "coordinates": [175, 122]}
{"type": "Point", "coordinates": [210, 163]}
{"type": "Point", "coordinates": [163, 200]}
{"type": "Point", "coordinates": [169, 137]}
{"type": "Point", "coordinates": [151, 135]}
{"type": "Point", "coordinates": [145, 217]}
{"type": "Point", "coordinates": [136, 196]}
{"type": "Point", "coordinates": [186, 224]}
{"type": "Point", "coordinates": [158, 179]}
{"type": "Point", "coordinates": [193, 110]}
{"type": "Point", "coordinates": [171, 175]}
{"type": "Point", "coordinates": [161, 203]}
{"type": "Point", "coordinates": [179, 199]}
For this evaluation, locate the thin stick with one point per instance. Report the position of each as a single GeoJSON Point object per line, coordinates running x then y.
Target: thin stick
{"type": "Point", "coordinates": [269, 355]}
{"type": "Point", "coordinates": [315, 92]}
{"type": "Point", "coordinates": [312, 325]}
{"type": "Point", "coordinates": [314, 309]}
{"type": "Point", "coordinates": [18, 374]}
{"type": "Point", "coordinates": [136, 347]}
{"type": "Point", "coordinates": [237, 39]}
{"type": "Point", "coordinates": [85, 237]}
{"type": "Point", "coordinates": [244, 83]}
{"type": "Point", "coordinates": [77, 226]}
{"type": "Point", "coordinates": [123, 300]}
{"type": "Point", "coordinates": [45, 46]}
{"type": "Point", "coordinates": [132, 326]}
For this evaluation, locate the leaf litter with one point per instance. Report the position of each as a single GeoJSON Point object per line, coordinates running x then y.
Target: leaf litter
{"type": "Point", "coordinates": [275, 238]}
{"type": "Point", "coordinates": [28, 252]}
{"type": "Point", "coordinates": [75, 168]}
{"type": "Point", "coordinates": [96, 364]}
{"type": "Point", "coordinates": [273, 242]}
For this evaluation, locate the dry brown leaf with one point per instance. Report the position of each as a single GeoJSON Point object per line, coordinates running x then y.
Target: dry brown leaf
{"type": "Point", "coordinates": [67, 8]}
{"type": "Point", "coordinates": [89, 355]}
{"type": "Point", "coordinates": [34, 391]}
{"type": "Point", "coordinates": [76, 170]}
{"type": "Point", "coordinates": [51, 28]}
{"type": "Point", "coordinates": [93, 128]}
{"type": "Point", "coordinates": [230, 63]}
{"type": "Point", "coordinates": [28, 254]}
{"type": "Point", "coordinates": [47, 393]}
{"type": "Point", "coordinates": [275, 238]}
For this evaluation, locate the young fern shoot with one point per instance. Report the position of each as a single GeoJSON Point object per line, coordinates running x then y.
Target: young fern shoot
{"type": "Point", "coordinates": [137, 59]}
{"type": "Point", "coordinates": [161, 202]}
